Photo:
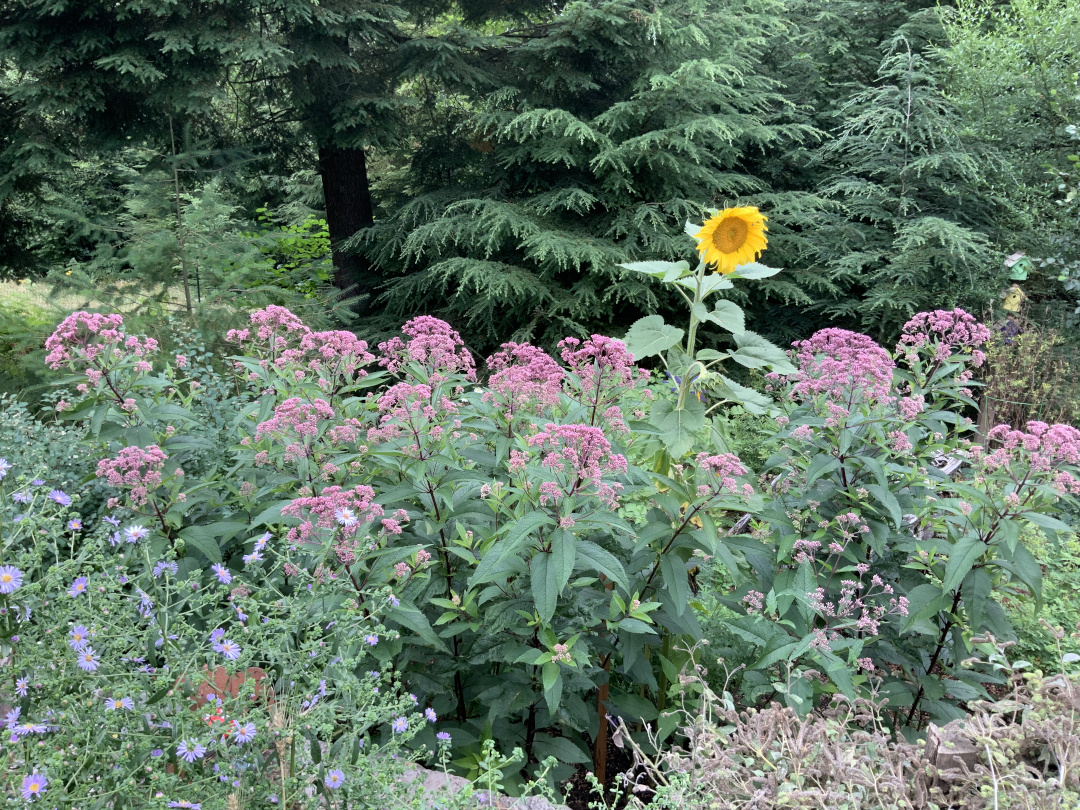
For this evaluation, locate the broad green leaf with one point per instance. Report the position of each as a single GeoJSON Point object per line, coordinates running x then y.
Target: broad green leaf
{"type": "Point", "coordinates": [676, 580]}
{"type": "Point", "coordinates": [591, 557]}
{"type": "Point", "coordinates": [660, 270]}
{"type": "Point", "coordinates": [728, 315]}
{"type": "Point", "coordinates": [635, 707]}
{"type": "Point", "coordinates": [678, 428]}
{"type": "Point", "coordinates": [754, 270]}
{"type": "Point", "coordinates": [650, 335]}
{"type": "Point", "coordinates": [553, 683]}
{"type": "Point", "coordinates": [561, 748]}
{"type": "Point", "coordinates": [888, 501]}
{"type": "Point", "coordinates": [495, 560]}
{"type": "Point", "coordinates": [753, 344]}
{"type": "Point", "coordinates": [204, 540]}
{"type": "Point", "coordinates": [964, 554]}
{"type": "Point", "coordinates": [409, 616]}
{"type": "Point", "coordinates": [976, 589]}
{"type": "Point", "coordinates": [563, 554]}
{"type": "Point", "coordinates": [545, 585]}
{"type": "Point", "coordinates": [820, 465]}
{"type": "Point", "coordinates": [750, 399]}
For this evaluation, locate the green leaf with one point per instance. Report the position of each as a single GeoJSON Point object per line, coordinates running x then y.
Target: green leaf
{"type": "Point", "coordinates": [977, 588]}
{"type": "Point", "coordinates": [754, 270]}
{"type": "Point", "coordinates": [887, 500]}
{"type": "Point", "coordinates": [553, 683]}
{"type": "Point", "coordinates": [668, 271]}
{"type": "Point", "coordinates": [591, 557]}
{"type": "Point", "coordinates": [753, 344]}
{"type": "Point", "coordinates": [545, 585]}
{"type": "Point", "coordinates": [635, 707]}
{"type": "Point", "coordinates": [563, 554]}
{"type": "Point", "coordinates": [409, 616]}
{"type": "Point", "coordinates": [650, 336]}
{"type": "Point", "coordinates": [728, 315]}
{"type": "Point", "coordinates": [204, 540]}
{"type": "Point", "coordinates": [964, 554]}
{"type": "Point", "coordinates": [820, 465]}
{"type": "Point", "coordinates": [560, 748]}
{"type": "Point", "coordinates": [676, 580]}
{"type": "Point", "coordinates": [754, 402]}
{"type": "Point", "coordinates": [495, 561]}
{"type": "Point", "coordinates": [678, 428]}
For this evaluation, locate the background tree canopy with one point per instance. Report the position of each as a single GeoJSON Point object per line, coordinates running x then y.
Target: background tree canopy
{"type": "Point", "coordinates": [493, 162]}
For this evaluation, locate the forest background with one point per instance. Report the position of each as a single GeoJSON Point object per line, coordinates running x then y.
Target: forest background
{"type": "Point", "coordinates": [492, 162]}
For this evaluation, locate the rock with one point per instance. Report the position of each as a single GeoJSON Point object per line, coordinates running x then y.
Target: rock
{"type": "Point", "coordinates": [436, 784]}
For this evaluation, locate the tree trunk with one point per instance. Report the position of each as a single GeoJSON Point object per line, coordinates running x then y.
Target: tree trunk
{"type": "Point", "coordinates": [348, 210]}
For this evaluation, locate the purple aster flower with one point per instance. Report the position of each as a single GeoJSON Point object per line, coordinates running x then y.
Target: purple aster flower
{"type": "Point", "coordinates": [74, 525]}
{"type": "Point", "coordinates": [240, 615]}
{"type": "Point", "coordinates": [116, 704]}
{"type": "Point", "coordinates": [230, 649]}
{"type": "Point", "coordinates": [157, 752]}
{"type": "Point", "coordinates": [163, 566]}
{"type": "Point", "coordinates": [114, 539]}
{"type": "Point", "coordinates": [216, 635]}
{"type": "Point", "coordinates": [37, 482]}
{"type": "Point", "coordinates": [33, 786]}
{"type": "Point", "coordinates": [10, 578]}
{"type": "Point", "coordinates": [244, 733]}
{"type": "Point", "coordinates": [334, 779]}
{"type": "Point", "coordinates": [222, 573]}
{"type": "Point", "coordinates": [186, 804]}
{"type": "Point", "coordinates": [23, 729]}
{"type": "Point", "coordinates": [429, 713]}
{"type": "Point", "coordinates": [112, 521]}
{"type": "Point", "coordinates": [78, 586]}
{"type": "Point", "coordinates": [260, 544]}
{"type": "Point", "coordinates": [442, 736]}
{"type": "Point", "coordinates": [190, 750]}
{"type": "Point", "coordinates": [254, 556]}
{"type": "Point", "coordinates": [133, 534]}
{"type": "Point", "coordinates": [21, 497]}
{"type": "Point", "coordinates": [88, 661]}
{"type": "Point", "coordinates": [400, 725]}
{"type": "Point", "coordinates": [79, 636]}
{"type": "Point", "coordinates": [21, 686]}
{"type": "Point", "coordinates": [394, 601]}
{"type": "Point", "coordinates": [12, 717]}
{"type": "Point", "coordinates": [371, 639]}
{"type": "Point", "coordinates": [4, 467]}
{"type": "Point", "coordinates": [60, 497]}
{"type": "Point", "coordinates": [346, 517]}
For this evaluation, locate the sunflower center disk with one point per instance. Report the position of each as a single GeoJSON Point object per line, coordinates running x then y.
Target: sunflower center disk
{"type": "Point", "coordinates": [730, 235]}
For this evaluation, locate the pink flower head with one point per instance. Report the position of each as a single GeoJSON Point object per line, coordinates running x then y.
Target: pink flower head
{"type": "Point", "coordinates": [524, 377]}
{"type": "Point", "coordinates": [135, 468]}
{"type": "Point", "coordinates": [578, 452]}
{"type": "Point", "coordinates": [324, 512]}
{"type": "Point", "coordinates": [723, 469]}
{"type": "Point", "coordinates": [432, 343]}
{"type": "Point", "coordinates": [603, 371]}
{"type": "Point", "coordinates": [295, 417]}
{"type": "Point", "coordinates": [844, 366]}
{"type": "Point", "coordinates": [944, 330]}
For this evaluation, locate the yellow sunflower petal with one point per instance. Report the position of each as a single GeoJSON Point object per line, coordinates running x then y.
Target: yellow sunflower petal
{"type": "Point", "coordinates": [732, 237]}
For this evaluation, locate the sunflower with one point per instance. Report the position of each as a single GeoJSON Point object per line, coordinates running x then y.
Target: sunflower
{"type": "Point", "coordinates": [732, 237]}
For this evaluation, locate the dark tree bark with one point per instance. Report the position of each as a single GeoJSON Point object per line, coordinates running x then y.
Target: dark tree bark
{"type": "Point", "coordinates": [348, 210]}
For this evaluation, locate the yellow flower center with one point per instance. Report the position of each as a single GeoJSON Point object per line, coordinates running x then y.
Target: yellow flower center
{"type": "Point", "coordinates": [6, 577]}
{"type": "Point", "coordinates": [35, 786]}
{"type": "Point", "coordinates": [730, 235]}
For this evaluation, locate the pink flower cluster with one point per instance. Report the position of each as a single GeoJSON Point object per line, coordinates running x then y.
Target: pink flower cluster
{"type": "Point", "coordinates": [1043, 448]}
{"type": "Point", "coordinates": [603, 372]}
{"type": "Point", "coordinates": [96, 342]}
{"type": "Point", "coordinates": [274, 327]}
{"type": "Point", "coordinates": [432, 343]}
{"type": "Point", "coordinates": [725, 468]}
{"type": "Point", "coordinates": [135, 467]}
{"type": "Point", "coordinates": [524, 377]}
{"type": "Point", "coordinates": [339, 511]}
{"type": "Point", "coordinates": [864, 612]}
{"type": "Point", "coordinates": [294, 415]}
{"type": "Point", "coordinates": [580, 452]}
{"type": "Point", "coordinates": [844, 366]}
{"type": "Point", "coordinates": [945, 330]}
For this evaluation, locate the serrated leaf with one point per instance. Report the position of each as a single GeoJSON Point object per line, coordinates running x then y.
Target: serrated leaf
{"type": "Point", "coordinates": [545, 585]}
{"type": "Point", "coordinates": [592, 557]}
{"type": "Point", "coordinates": [651, 336]}
{"type": "Point", "coordinates": [754, 270]}
{"type": "Point", "coordinates": [964, 554]}
{"type": "Point", "coordinates": [728, 315]}
{"type": "Point", "coordinates": [678, 428]}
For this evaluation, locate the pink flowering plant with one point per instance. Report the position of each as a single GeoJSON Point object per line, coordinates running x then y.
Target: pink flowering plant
{"type": "Point", "coordinates": [464, 533]}
{"type": "Point", "coordinates": [889, 535]}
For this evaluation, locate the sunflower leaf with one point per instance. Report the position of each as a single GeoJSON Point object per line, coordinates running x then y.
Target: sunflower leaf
{"type": "Point", "coordinates": [650, 335]}
{"type": "Point", "coordinates": [754, 270]}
